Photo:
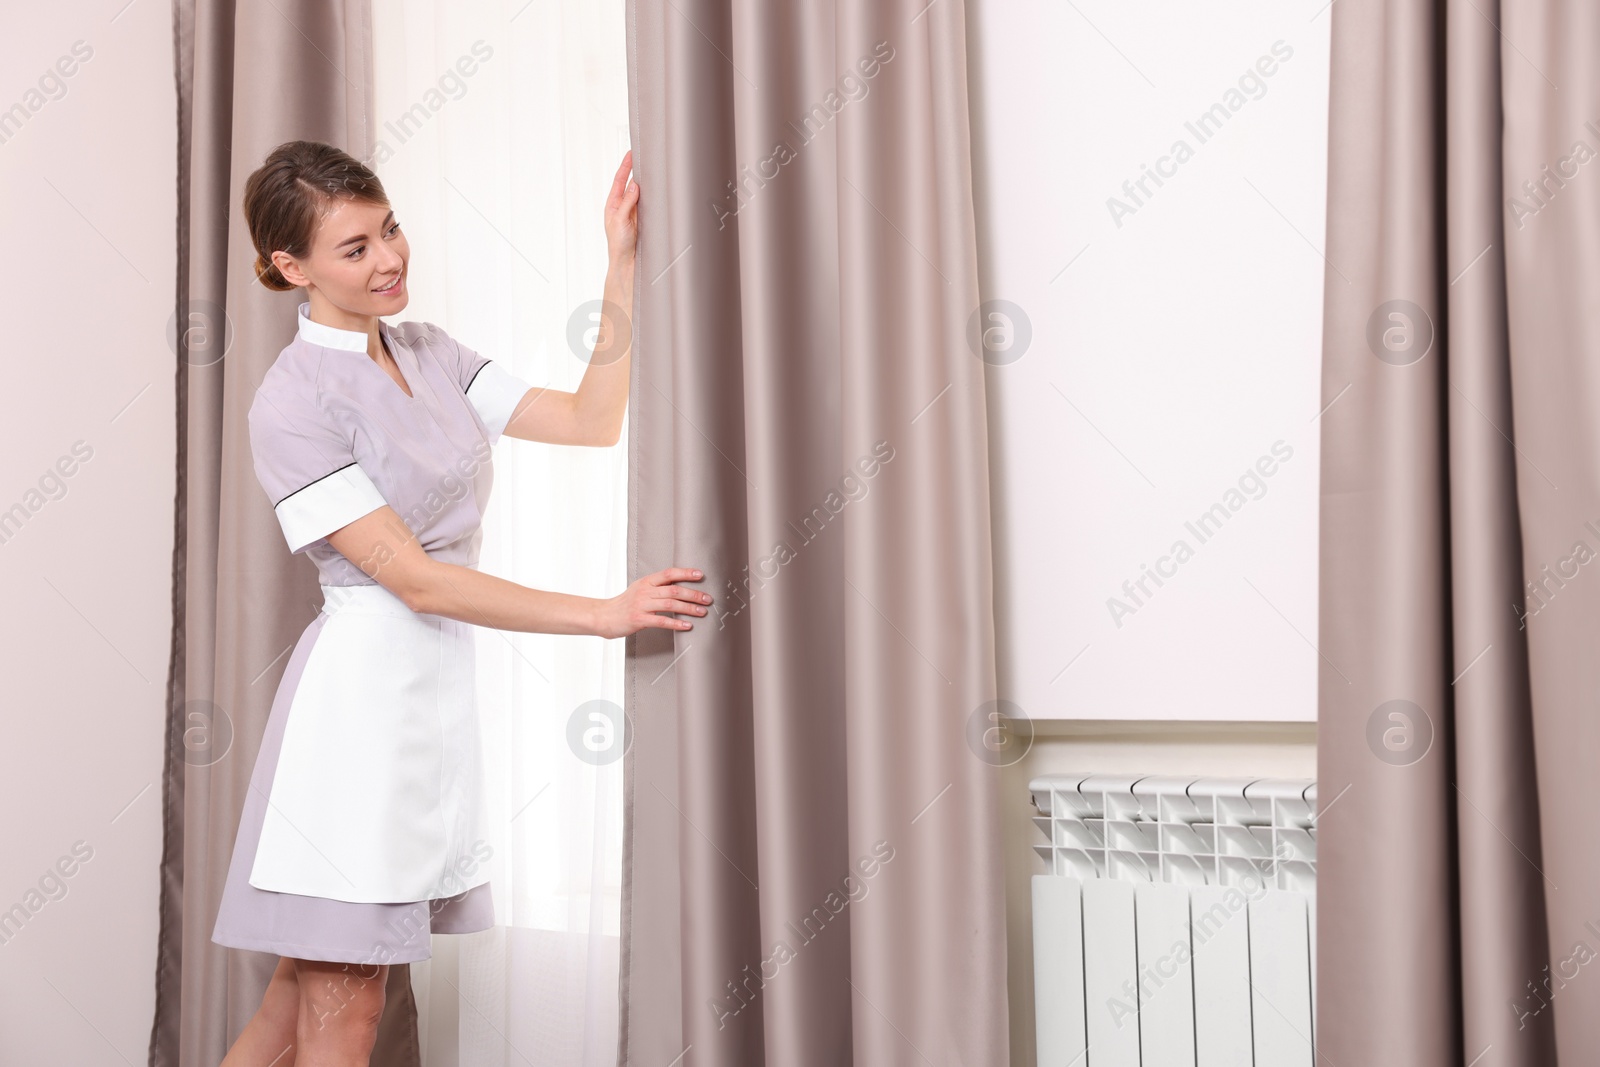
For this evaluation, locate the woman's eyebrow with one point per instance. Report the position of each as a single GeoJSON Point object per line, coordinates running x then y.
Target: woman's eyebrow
{"type": "Point", "coordinates": [362, 236]}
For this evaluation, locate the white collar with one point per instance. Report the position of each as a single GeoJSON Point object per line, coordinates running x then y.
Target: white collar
{"type": "Point", "coordinates": [331, 336]}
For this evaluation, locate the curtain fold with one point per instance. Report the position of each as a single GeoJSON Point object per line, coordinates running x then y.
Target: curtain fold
{"type": "Point", "coordinates": [250, 75]}
{"type": "Point", "coordinates": [1460, 508]}
{"type": "Point", "coordinates": [812, 869]}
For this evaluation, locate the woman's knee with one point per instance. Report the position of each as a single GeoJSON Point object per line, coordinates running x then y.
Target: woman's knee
{"type": "Point", "coordinates": [341, 1001]}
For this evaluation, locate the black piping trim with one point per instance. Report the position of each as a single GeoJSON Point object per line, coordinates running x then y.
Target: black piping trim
{"type": "Point", "coordinates": [324, 478]}
{"type": "Point", "coordinates": [476, 373]}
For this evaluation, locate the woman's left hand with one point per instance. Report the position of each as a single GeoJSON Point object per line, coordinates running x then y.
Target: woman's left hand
{"type": "Point", "coordinates": [622, 216]}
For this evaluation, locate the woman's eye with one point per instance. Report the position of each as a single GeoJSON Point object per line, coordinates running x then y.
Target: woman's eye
{"type": "Point", "coordinates": [393, 228]}
{"type": "Point", "coordinates": [352, 253]}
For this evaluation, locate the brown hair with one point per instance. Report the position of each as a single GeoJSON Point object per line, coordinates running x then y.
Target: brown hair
{"type": "Point", "coordinates": [285, 197]}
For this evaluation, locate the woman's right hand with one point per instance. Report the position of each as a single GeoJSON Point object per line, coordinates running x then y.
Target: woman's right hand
{"type": "Point", "coordinates": [636, 607]}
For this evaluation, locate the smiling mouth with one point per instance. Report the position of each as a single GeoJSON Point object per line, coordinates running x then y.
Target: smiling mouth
{"type": "Point", "coordinates": [392, 287]}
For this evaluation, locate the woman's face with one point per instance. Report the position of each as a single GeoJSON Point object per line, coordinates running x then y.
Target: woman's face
{"type": "Point", "coordinates": [357, 261]}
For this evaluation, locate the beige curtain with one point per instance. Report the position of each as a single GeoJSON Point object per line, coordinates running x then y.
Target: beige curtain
{"type": "Point", "coordinates": [1459, 920]}
{"type": "Point", "coordinates": [812, 865]}
{"type": "Point", "coordinates": [251, 74]}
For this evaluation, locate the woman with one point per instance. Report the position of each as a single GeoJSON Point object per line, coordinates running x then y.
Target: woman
{"type": "Point", "coordinates": [361, 833]}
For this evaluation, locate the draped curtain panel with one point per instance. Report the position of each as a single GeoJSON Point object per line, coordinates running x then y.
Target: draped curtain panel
{"type": "Point", "coordinates": [250, 74]}
{"type": "Point", "coordinates": [1460, 525]}
{"type": "Point", "coordinates": [812, 865]}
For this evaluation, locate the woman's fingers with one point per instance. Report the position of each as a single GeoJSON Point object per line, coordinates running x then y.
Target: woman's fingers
{"type": "Point", "coordinates": [624, 190]}
{"type": "Point", "coordinates": [663, 614]}
{"type": "Point", "coordinates": [658, 602]}
{"type": "Point", "coordinates": [620, 181]}
{"type": "Point", "coordinates": [680, 593]}
{"type": "Point", "coordinates": [678, 606]}
{"type": "Point", "coordinates": [675, 574]}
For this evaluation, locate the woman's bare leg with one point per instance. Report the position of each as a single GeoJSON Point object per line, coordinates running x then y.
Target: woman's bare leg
{"type": "Point", "coordinates": [340, 1006]}
{"type": "Point", "coordinates": [268, 1038]}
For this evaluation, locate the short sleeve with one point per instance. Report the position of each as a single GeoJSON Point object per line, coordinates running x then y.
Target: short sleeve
{"type": "Point", "coordinates": [308, 468]}
{"type": "Point", "coordinates": [493, 390]}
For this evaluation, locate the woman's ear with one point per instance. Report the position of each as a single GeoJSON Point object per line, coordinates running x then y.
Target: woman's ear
{"type": "Point", "coordinates": [289, 268]}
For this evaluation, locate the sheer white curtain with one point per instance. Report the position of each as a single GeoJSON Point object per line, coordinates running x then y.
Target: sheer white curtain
{"type": "Point", "coordinates": [500, 125]}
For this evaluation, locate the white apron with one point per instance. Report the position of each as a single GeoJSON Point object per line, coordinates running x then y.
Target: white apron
{"type": "Point", "coordinates": [378, 792]}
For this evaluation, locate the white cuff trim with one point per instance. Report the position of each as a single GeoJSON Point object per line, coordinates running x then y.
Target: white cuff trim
{"type": "Point", "coordinates": [327, 504]}
{"type": "Point", "coordinates": [495, 392]}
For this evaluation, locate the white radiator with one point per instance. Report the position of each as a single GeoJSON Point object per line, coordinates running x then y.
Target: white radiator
{"type": "Point", "coordinates": [1175, 928]}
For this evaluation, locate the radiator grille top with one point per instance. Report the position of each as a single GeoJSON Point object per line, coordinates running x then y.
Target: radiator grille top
{"type": "Point", "coordinates": [1189, 831]}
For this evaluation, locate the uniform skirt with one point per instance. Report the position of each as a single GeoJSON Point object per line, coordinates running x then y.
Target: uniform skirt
{"type": "Point", "coordinates": [391, 695]}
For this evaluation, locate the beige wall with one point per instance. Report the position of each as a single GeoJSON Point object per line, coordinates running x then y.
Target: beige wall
{"type": "Point", "coordinates": [87, 209]}
{"type": "Point", "coordinates": [1156, 460]}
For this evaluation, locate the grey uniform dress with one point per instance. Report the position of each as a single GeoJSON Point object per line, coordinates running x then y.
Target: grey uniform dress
{"type": "Point", "coordinates": [362, 830]}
